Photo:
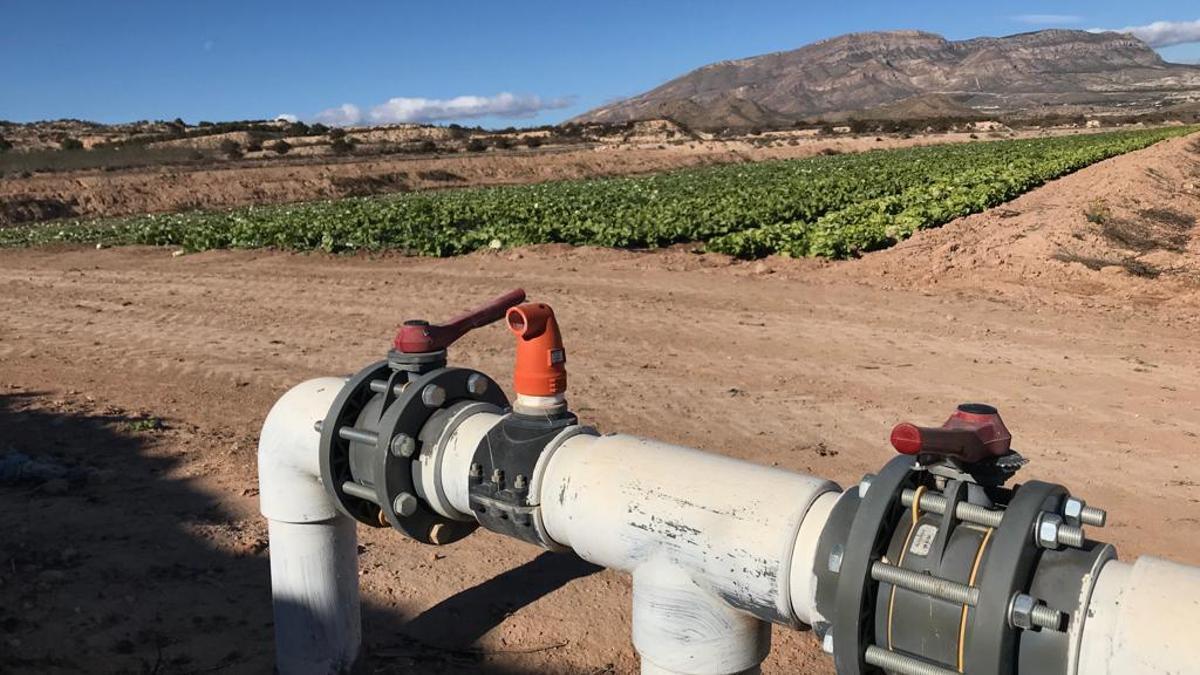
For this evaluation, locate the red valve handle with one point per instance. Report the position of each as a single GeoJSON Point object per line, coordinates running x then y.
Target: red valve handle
{"type": "Point", "coordinates": [418, 336]}
{"type": "Point", "coordinates": [974, 432]}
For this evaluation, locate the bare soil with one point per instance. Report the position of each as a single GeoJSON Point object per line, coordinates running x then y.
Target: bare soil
{"type": "Point", "coordinates": [157, 562]}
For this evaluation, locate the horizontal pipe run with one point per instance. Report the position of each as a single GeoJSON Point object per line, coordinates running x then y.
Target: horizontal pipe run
{"type": "Point", "coordinates": [943, 589]}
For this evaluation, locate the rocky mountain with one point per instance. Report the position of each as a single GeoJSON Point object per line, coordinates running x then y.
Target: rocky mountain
{"type": "Point", "coordinates": [1052, 70]}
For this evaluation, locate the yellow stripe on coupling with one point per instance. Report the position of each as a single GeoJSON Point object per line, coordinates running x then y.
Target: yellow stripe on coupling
{"type": "Point", "coordinates": [962, 622]}
{"type": "Point", "coordinates": [916, 513]}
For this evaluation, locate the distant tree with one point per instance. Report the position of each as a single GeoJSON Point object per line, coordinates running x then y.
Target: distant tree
{"type": "Point", "coordinates": [336, 133]}
{"type": "Point", "coordinates": [318, 129]}
{"type": "Point", "coordinates": [425, 147]}
{"type": "Point", "coordinates": [341, 145]}
{"type": "Point", "coordinates": [5, 144]}
{"type": "Point", "coordinates": [69, 143]}
{"type": "Point", "coordinates": [281, 147]}
{"type": "Point", "coordinates": [195, 155]}
{"type": "Point", "coordinates": [533, 141]}
{"type": "Point", "coordinates": [254, 144]}
{"type": "Point", "coordinates": [231, 148]}
{"type": "Point", "coordinates": [476, 145]}
{"type": "Point", "coordinates": [299, 129]}
{"type": "Point", "coordinates": [204, 123]}
{"type": "Point", "coordinates": [502, 143]}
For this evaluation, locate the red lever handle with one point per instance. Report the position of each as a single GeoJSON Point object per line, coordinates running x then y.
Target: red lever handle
{"type": "Point", "coordinates": [973, 433]}
{"type": "Point", "coordinates": [420, 336]}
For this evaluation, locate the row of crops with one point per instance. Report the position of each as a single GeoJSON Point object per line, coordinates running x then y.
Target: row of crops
{"type": "Point", "coordinates": [835, 206]}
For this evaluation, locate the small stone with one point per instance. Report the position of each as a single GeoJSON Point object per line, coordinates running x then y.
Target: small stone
{"type": "Point", "coordinates": [176, 254]}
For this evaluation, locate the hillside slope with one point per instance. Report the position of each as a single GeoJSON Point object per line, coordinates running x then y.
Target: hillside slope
{"type": "Point", "coordinates": [865, 70]}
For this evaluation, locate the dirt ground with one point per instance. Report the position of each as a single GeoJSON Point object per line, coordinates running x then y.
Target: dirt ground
{"type": "Point", "coordinates": [152, 557]}
{"type": "Point", "coordinates": [94, 193]}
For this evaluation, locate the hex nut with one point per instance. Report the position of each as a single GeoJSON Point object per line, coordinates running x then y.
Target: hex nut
{"type": "Point", "coordinates": [433, 396]}
{"type": "Point", "coordinates": [1020, 611]}
{"type": "Point", "coordinates": [1073, 510]}
{"type": "Point", "coordinates": [1047, 529]}
{"type": "Point", "coordinates": [405, 504]}
{"type": "Point", "coordinates": [403, 445]}
{"type": "Point", "coordinates": [477, 384]}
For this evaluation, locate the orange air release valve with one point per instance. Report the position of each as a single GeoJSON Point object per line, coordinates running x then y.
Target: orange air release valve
{"type": "Point", "coordinates": [541, 368]}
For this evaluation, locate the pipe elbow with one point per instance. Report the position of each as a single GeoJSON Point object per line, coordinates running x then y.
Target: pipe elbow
{"type": "Point", "coordinates": [289, 472]}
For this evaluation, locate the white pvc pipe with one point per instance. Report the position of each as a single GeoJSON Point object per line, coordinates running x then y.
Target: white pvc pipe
{"type": "Point", "coordinates": [313, 548]}
{"type": "Point", "coordinates": [1143, 618]}
{"type": "Point", "coordinates": [710, 541]}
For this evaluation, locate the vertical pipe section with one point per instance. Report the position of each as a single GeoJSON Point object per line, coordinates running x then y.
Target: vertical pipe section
{"type": "Point", "coordinates": [313, 548]}
{"type": "Point", "coordinates": [1142, 618]}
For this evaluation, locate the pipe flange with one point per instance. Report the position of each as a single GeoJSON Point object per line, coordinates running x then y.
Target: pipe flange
{"type": "Point", "coordinates": [991, 642]}
{"type": "Point", "coordinates": [347, 407]}
{"type": "Point", "coordinates": [870, 532]}
{"type": "Point", "coordinates": [393, 476]}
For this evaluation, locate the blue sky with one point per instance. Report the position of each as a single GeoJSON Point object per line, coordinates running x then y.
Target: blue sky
{"type": "Point", "coordinates": [448, 61]}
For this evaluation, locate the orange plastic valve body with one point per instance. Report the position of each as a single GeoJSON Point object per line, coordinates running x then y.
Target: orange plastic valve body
{"type": "Point", "coordinates": [541, 368]}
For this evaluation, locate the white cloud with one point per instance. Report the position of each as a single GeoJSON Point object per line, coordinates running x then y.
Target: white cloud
{"type": "Point", "coordinates": [1047, 19]}
{"type": "Point", "coordinates": [344, 115]}
{"type": "Point", "coordinates": [1164, 33]}
{"type": "Point", "coordinates": [286, 117]}
{"type": "Point", "coordinates": [402, 109]}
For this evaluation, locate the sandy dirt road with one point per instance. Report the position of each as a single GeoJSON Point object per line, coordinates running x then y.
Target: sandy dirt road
{"type": "Point", "coordinates": [152, 557]}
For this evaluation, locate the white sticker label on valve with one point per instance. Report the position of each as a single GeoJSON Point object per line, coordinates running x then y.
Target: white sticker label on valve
{"type": "Point", "coordinates": [922, 540]}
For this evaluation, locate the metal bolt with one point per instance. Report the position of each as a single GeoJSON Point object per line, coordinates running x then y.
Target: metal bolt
{"type": "Point", "coordinates": [405, 504]}
{"type": "Point", "coordinates": [864, 485]}
{"type": "Point", "coordinates": [1053, 532]}
{"type": "Point", "coordinates": [1047, 528]}
{"type": "Point", "coordinates": [836, 553]}
{"type": "Point", "coordinates": [1072, 510]}
{"type": "Point", "coordinates": [945, 589]}
{"type": "Point", "coordinates": [358, 435]}
{"type": "Point", "coordinates": [519, 482]}
{"type": "Point", "coordinates": [318, 426]}
{"type": "Point", "coordinates": [899, 663]}
{"type": "Point", "coordinates": [497, 476]}
{"type": "Point", "coordinates": [477, 384]}
{"type": "Point", "coordinates": [476, 472]}
{"type": "Point", "coordinates": [1090, 515]}
{"type": "Point", "coordinates": [1026, 612]}
{"type": "Point", "coordinates": [964, 511]}
{"type": "Point", "coordinates": [433, 396]}
{"type": "Point", "coordinates": [827, 642]}
{"type": "Point", "coordinates": [403, 445]}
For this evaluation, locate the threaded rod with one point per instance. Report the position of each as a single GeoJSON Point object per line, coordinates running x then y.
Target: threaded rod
{"type": "Point", "coordinates": [358, 435]}
{"type": "Point", "coordinates": [964, 511]}
{"type": "Point", "coordinates": [1046, 617]}
{"type": "Point", "coordinates": [944, 589]}
{"type": "Point", "coordinates": [1093, 516]}
{"type": "Point", "coordinates": [900, 663]}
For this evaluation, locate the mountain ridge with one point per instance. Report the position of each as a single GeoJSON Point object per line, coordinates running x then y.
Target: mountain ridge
{"type": "Point", "coordinates": [1066, 70]}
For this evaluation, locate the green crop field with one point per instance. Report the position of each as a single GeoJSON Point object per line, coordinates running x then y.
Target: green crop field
{"type": "Point", "coordinates": [837, 206]}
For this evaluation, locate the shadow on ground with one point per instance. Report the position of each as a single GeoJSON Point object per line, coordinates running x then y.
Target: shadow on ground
{"type": "Point", "coordinates": [124, 566]}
